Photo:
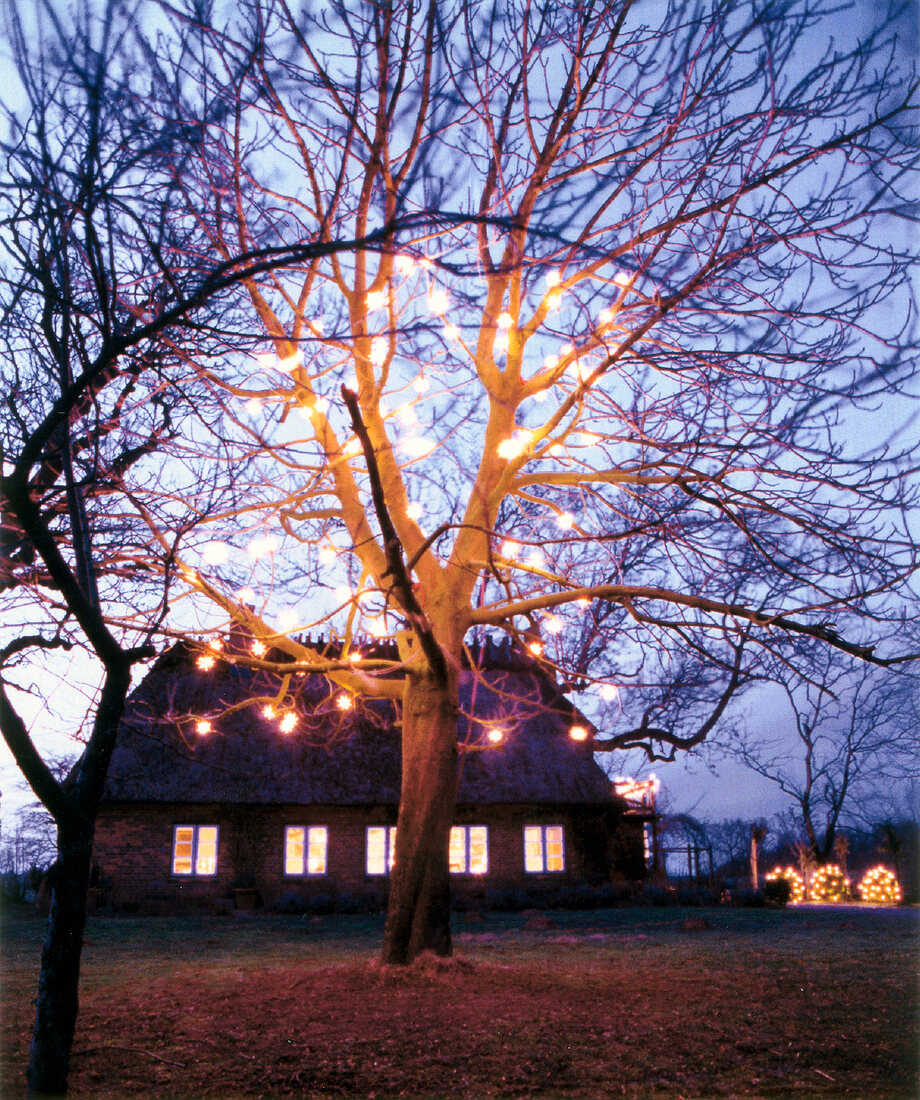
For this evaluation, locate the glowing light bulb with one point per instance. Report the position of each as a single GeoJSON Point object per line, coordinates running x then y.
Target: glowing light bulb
{"type": "Point", "coordinates": [261, 545]}
{"type": "Point", "coordinates": [253, 406]}
{"type": "Point", "coordinates": [505, 320]}
{"type": "Point", "coordinates": [578, 733]}
{"type": "Point", "coordinates": [438, 301]}
{"type": "Point", "coordinates": [605, 316]}
{"type": "Point", "coordinates": [451, 332]}
{"type": "Point", "coordinates": [535, 648]}
{"type": "Point", "coordinates": [267, 360]}
{"type": "Point", "coordinates": [609, 692]}
{"type": "Point", "coordinates": [553, 624]}
{"type": "Point", "coordinates": [343, 593]}
{"type": "Point", "coordinates": [321, 405]}
{"type": "Point", "coordinates": [327, 555]}
{"type": "Point", "coordinates": [354, 656]}
{"type": "Point", "coordinates": [380, 347]}
{"type": "Point", "coordinates": [287, 619]}
{"type": "Point", "coordinates": [246, 594]}
{"type": "Point", "coordinates": [376, 299]}
{"type": "Point", "coordinates": [376, 627]}
{"type": "Point", "coordinates": [259, 648]}
{"type": "Point", "coordinates": [203, 727]}
{"type": "Point", "coordinates": [501, 341]}
{"type": "Point", "coordinates": [268, 712]}
{"type": "Point", "coordinates": [565, 520]}
{"type": "Point", "coordinates": [416, 445]}
{"type": "Point", "coordinates": [288, 722]}
{"type": "Point", "coordinates": [421, 384]}
{"type": "Point", "coordinates": [496, 735]}
{"type": "Point", "coordinates": [404, 263]}
{"type": "Point", "coordinates": [205, 662]}
{"type": "Point", "coordinates": [622, 278]}
{"type": "Point", "coordinates": [415, 510]}
{"type": "Point", "coordinates": [407, 416]}
{"type": "Point", "coordinates": [344, 702]}
{"type": "Point", "coordinates": [510, 548]}
{"type": "Point", "coordinates": [291, 363]}
{"type": "Point", "coordinates": [214, 553]}
{"type": "Point", "coordinates": [552, 278]}
{"type": "Point", "coordinates": [516, 445]}
{"type": "Point", "coordinates": [583, 602]}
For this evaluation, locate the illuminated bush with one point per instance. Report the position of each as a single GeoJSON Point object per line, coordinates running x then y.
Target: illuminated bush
{"type": "Point", "coordinates": [830, 884]}
{"type": "Point", "coordinates": [880, 886]}
{"type": "Point", "coordinates": [791, 876]}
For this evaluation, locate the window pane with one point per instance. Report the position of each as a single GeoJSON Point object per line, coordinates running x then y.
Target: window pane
{"type": "Point", "coordinates": [316, 858]}
{"type": "Point", "coordinates": [206, 863]}
{"type": "Point", "coordinates": [293, 850]}
{"type": "Point", "coordinates": [457, 852]}
{"type": "Point", "coordinates": [533, 848]}
{"type": "Point", "coordinates": [479, 850]}
{"type": "Point", "coordinates": [376, 850]}
{"type": "Point", "coordinates": [182, 851]}
{"type": "Point", "coordinates": [554, 848]}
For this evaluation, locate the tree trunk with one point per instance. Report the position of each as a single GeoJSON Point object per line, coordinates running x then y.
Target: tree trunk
{"type": "Point", "coordinates": [58, 984]}
{"type": "Point", "coordinates": [418, 911]}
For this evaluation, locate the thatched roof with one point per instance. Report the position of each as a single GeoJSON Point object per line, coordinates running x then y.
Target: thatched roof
{"type": "Point", "coordinates": [336, 758]}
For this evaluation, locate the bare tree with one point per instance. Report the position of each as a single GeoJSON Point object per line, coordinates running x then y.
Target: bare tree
{"type": "Point", "coordinates": [105, 286]}
{"type": "Point", "coordinates": [853, 735]}
{"type": "Point", "coordinates": [602, 408]}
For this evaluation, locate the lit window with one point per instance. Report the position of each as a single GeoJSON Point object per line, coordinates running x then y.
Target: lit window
{"type": "Point", "coordinates": [544, 848]}
{"type": "Point", "coordinates": [305, 849]}
{"type": "Point", "coordinates": [381, 849]}
{"type": "Point", "coordinates": [469, 850]}
{"type": "Point", "coordinates": [194, 850]}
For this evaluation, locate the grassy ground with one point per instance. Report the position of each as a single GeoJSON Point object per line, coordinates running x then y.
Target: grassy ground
{"type": "Point", "coordinates": [799, 1003]}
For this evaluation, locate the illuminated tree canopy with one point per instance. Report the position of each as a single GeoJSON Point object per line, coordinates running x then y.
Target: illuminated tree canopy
{"type": "Point", "coordinates": [617, 397]}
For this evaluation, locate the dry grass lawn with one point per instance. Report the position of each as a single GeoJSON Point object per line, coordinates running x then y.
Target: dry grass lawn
{"type": "Point", "coordinates": [802, 1003]}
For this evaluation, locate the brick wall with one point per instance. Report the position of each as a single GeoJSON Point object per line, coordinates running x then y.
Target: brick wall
{"type": "Point", "coordinates": [133, 852]}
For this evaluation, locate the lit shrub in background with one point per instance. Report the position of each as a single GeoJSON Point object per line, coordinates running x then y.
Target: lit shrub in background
{"type": "Point", "coordinates": [792, 878]}
{"type": "Point", "coordinates": [830, 884]}
{"type": "Point", "coordinates": [880, 886]}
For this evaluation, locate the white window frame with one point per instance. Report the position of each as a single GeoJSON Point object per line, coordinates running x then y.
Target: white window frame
{"type": "Point", "coordinates": [193, 871]}
{"type": "Point", "coordinates": [467, 834]}
{"type": "Point", "coordinates": [542, 831]}
{"type": "Point", "coordinates": [309, 833]}
{"type": "Point", "coordinates": [389, 849]}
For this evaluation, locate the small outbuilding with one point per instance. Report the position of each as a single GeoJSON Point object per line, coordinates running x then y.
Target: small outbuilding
{"type": "Point", "coordinates": [218, 793]}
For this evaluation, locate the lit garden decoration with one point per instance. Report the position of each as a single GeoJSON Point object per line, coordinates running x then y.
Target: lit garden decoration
{"type": "Point", "coordinates": [830, 884]}
{"type": "Point", "coordinates": [796, 883]}
{"type": "Point", "coordinates": [880, 887]}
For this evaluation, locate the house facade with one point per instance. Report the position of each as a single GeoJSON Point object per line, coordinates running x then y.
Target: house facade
{"type": "Point", "coordinates": [218, 792]}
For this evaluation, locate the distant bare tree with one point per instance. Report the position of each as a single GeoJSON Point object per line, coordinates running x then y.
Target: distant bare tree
{"type": "Point", "coordinates": [851, 734]}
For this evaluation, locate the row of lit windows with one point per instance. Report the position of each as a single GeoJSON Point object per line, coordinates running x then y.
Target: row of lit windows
{"type": "Point", "coordinates": [306, 848]}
